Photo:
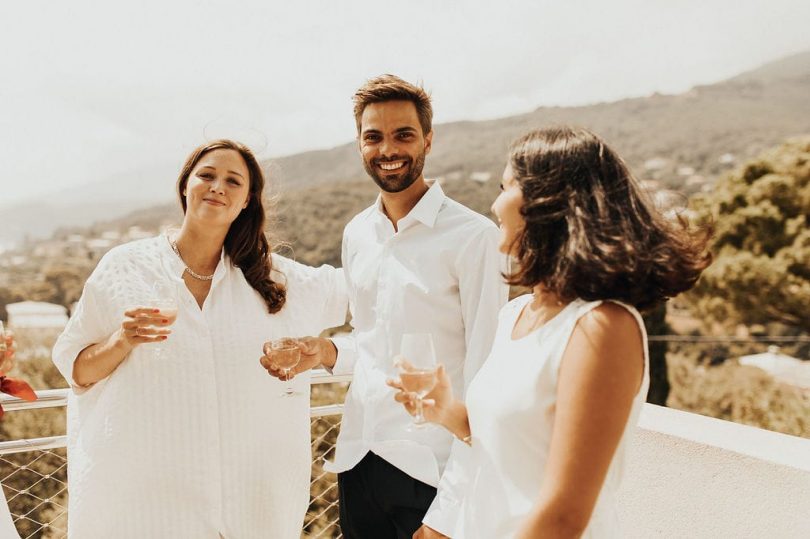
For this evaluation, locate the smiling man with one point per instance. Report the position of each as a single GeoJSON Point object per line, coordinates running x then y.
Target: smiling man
{"type": "Point", "coordinates": [415, 262]}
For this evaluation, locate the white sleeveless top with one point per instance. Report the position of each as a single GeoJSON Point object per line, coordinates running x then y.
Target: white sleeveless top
{"type": "Point", "coordinates": [511, 404]}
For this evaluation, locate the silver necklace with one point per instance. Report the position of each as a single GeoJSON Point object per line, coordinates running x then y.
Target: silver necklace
{"type": "Point", "coordinates": [188, 269]}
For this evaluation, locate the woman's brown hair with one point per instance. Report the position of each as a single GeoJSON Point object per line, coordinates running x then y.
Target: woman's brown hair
{"type": "Point", "coordinates": [591, 232]}
{"type": "Point", "coordinates": [246, 242]}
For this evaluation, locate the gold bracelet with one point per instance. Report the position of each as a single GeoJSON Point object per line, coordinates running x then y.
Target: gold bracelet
{"type": "Point", "coordinates": [467, 439]}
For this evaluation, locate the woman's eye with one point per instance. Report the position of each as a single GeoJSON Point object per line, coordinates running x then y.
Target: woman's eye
{"type": "Point", "coordinates": [205, 176]}
{"type": "Point", "coordinates": [234, 182]}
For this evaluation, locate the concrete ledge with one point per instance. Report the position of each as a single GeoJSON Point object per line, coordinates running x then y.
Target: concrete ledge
{"type": "Point", "coordinates": [697, 477]}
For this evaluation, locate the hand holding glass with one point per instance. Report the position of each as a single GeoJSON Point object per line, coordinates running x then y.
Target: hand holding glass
{"type": "Point", "coordinates": [164, 298]}
{"type": "Point", "coordinates": [285, 354]}
{"type": "Point", "coordinates": [416, 364]}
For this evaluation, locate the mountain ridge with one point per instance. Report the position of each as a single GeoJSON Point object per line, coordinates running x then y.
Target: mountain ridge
{"type": "Point", "coordinates": [692, 130]}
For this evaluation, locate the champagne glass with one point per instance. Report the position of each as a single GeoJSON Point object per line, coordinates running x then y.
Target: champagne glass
{"type": "Point", "coordinates": [164, 298]}
{"type": "Point", "coordinates": [285, 354]}
{"type": "Point", "coordinates": [416, 364]}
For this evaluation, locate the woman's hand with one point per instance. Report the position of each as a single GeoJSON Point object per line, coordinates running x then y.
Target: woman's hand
{"type": "Point", "coordinates": [437, 405]}
{"type": "Point", "coordinates": [143, 325]}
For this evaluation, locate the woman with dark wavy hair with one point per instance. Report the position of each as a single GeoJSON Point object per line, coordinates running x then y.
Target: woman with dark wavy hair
{"type": "Point", "coordinates": [550, 414]}
{"type": "Point", "coordinates": [173, 428]}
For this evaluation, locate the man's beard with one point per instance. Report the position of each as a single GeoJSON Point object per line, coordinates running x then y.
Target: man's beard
{"type": "Point", "coordinates": [395, 183]}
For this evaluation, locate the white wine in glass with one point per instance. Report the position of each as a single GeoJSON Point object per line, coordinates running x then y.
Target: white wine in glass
{"type": "Point", "coordinates": [285, 354]}
{"type": "Point", "coordinates": [164, 298]}
{"type": "Point", "coordinates": [416, 363]}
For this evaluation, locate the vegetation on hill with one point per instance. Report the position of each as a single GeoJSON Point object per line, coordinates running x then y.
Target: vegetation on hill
{"type": "Point", "coordinates": [680, 141]}
{"type": "Point", "coordinates": [761, 212]}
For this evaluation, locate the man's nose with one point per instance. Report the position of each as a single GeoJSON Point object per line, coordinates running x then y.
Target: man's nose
{"type": "Point", "coordinates": [388, 148]}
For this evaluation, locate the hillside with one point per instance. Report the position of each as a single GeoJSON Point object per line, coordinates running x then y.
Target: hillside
{"type": "Point", "coordinates": [681, 139]}
{"type": "Point", "coordinates": [741, 116]}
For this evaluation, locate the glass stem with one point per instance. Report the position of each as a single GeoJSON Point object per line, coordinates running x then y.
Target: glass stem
{"type": "Point", "coordinates": [419, 418]}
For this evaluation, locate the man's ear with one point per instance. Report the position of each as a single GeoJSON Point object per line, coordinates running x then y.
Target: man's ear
{"type": "Point", "coordinates": [428, 142]}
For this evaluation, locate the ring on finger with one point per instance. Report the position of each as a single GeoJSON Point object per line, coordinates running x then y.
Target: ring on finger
{"type": "Point", "coordinates": [137, 332]}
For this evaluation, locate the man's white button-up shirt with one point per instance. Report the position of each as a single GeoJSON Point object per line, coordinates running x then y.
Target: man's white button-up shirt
{"type": "Point", "coordinates": [439, 273]}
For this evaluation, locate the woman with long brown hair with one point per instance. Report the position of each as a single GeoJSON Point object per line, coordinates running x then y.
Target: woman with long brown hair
{"type": "Point", "coordinates": [174, 430]}
{"type": "Point", "coordinates": [550, 413]}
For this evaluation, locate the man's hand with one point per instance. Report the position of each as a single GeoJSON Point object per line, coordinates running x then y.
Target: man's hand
{"type": "Point", "coordinates": [315, 351]}
{"type": "Point", "coordinates": [426, 532]}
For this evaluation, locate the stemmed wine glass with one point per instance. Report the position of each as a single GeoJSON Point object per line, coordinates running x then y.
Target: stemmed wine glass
{"type": "Point", "coordinates": [416, 363]}
{"type": "Point", "coordinates": [285, 354]}
{"type": "Point", "coordinates": [163, 297]}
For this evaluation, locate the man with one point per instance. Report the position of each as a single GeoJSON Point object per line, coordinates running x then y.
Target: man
{"type": "Point", "coordinates": [415, 262]}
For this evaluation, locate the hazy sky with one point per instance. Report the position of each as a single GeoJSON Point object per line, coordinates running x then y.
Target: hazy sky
{"type": "Point", "coordinates": [91, 89]}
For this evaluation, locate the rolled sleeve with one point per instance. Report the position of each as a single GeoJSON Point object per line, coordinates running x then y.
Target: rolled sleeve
{"type": "Point", "coordinates": [88, 325]}
{"type": "Point", "coordinates": [483, 293]}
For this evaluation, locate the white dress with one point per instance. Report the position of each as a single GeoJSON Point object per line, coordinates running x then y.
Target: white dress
{"type": "Point", "coordinates": [511, 405]}
{"type": "Point", "coordinates": [197, 443]}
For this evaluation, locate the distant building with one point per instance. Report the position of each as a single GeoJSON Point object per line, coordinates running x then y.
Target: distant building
{"type": "Point", "coordinates": [726, 159]}
{"type": "Point", "coordinates": [36, 315]}
{"type": "Point", "coordinates": [656, 163]}
{"type": "Point", "coordinates": [480, 177]}
{"type": "Point", "coordinates": [697, 179]}
{"type": "Point", "coordinates": [137, 233]}
{"type": "Point", "coordinates": [784, 368]}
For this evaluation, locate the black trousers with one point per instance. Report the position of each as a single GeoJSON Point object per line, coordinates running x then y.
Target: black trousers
{"type": "Point", "coordinates": [380, 501]}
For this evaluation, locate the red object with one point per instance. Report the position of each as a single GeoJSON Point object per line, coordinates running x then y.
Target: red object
{"type": "Point", "coordinates": [17, 388]}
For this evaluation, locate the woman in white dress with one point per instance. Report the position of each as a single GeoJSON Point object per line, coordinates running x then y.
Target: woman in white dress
{"type": "Point", "coordinates": [550, 414]}
{"type": "Point", "coordinates": [194, 440]}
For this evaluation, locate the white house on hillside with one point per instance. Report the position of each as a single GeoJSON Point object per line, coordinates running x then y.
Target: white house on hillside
{"type": "Point", "coordinates": [36, 315]}
{"type": "Point", "coordinates": [784, 368]}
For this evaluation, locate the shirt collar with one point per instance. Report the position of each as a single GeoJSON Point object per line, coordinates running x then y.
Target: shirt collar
{"type": "Point", "coordinates": [426, 210]}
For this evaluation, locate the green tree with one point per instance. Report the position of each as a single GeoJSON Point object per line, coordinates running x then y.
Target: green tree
{"type": "Point", "coordinates": [761, 273]}
{"type": "Point", "coordinates": [7, 296]}
{"type": "Point", "coordinates": [67, 284]}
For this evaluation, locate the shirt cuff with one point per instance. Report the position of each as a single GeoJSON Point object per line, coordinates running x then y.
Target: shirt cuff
{"type": "Point", "coordinates": [442, 515]}
{"type": "Point", "coordinates": [346, 355]}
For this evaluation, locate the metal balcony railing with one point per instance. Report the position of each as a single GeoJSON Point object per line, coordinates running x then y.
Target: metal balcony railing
{"type": "Point", "coordinates": [33, 471]}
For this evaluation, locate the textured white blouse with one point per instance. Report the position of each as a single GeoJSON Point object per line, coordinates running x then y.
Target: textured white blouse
{"type": "Point", "coordinates": [196, 443]}
{"type": "Point", "coordinates": [511, 405]}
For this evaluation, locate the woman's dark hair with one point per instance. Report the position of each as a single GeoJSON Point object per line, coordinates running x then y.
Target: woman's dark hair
{"type": "Point", "coordinates": [591, 232]}
{"type": "Point", "coordinates": [246, 243]}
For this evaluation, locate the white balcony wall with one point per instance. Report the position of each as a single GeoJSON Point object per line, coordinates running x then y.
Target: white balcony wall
{"type": "Point", "coordinates": [697, 477]}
